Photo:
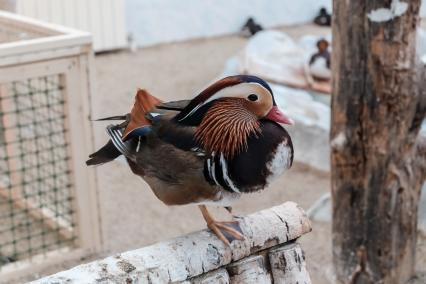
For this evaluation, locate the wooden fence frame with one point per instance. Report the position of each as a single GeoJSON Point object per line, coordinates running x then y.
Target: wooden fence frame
{"type": "Point", "coordinates": [67, 52]}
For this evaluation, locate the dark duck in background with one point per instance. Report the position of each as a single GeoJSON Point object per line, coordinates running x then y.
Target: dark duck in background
{"type": "Point", "coordinates": [225, 142]}
{"type": "Point", "coordinates": [250, 28]}
{"type": "Point", "coordinates": [323, 18]}
{"type": "Point", "coordinates": [319, 67]}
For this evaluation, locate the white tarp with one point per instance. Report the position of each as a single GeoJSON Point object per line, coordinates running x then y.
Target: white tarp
{"type": "Point", "coordinates": [276, 57]}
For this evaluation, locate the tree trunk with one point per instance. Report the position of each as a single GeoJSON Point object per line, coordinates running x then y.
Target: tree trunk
{"type": "Point", "coordinates": [378, 160]}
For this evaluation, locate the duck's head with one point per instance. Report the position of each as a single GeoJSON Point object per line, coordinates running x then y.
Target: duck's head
{"type": "Point", "coordinates": [322, 45]}
{"type": "Point", "coordinates": [244, 92]}
{"type": "Point", "coordinates": [227, 112]}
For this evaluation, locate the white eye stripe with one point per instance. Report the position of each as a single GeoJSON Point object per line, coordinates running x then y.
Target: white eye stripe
{"type": "Point", "coordinates": [235, 91]}
{"type": "Point", "coordinates": [239, 90]}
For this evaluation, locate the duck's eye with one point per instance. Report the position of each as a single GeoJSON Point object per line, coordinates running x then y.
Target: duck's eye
{"type": "Point", "coordinates": [252, 97]}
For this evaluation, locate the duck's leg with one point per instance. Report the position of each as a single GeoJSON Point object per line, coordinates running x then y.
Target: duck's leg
{"type": "Point", "coordinates": [226, 231]}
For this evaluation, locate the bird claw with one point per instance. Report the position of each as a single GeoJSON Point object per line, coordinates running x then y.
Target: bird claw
{"type": "Point", "coordinates": [227, 231]}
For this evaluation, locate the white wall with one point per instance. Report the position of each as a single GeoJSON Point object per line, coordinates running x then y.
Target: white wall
{"type": "Point", "coordinates": [105, 19]}
{"type": "Point", "coordinates": [157, 21]}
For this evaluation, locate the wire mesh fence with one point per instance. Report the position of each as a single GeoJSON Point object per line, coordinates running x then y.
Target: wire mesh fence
{"type": "Point", "coordinates": [36, 202]}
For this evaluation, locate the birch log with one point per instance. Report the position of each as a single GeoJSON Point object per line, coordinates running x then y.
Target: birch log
{"type": "Point", "coordinates": [219, 276]}
{"type": "Point", "coordinates": [185, 257]}
{"type": "Point", "coordinates": [288, 265]}
{"type": "Point", "coordinates": [251, 270]}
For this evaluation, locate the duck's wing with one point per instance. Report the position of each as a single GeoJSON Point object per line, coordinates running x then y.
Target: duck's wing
{"type": "Point", "coordinates": [149, 116]}
{"type": "Point", "coordinates": [174, 105]}
{"type": "Point", "coordinates": [182, 137]}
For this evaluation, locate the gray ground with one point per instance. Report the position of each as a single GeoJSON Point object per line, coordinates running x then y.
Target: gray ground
{"type": "Point", "coordinates": [131, 215]}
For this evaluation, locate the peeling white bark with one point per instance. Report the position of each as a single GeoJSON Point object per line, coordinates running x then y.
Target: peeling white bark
{"type": "Point", "coordinates": [219, 276]}
{"type": "Point", "coordinates": [288, 265]}
{"type": "Point", "coordinates": [250, 270]}
{"type": "Point", "coordinates": [339, 141]}
{"type": "Point", "coordinates": [185, 257]}
{"type": "Point", "coordinates": [397, 9]}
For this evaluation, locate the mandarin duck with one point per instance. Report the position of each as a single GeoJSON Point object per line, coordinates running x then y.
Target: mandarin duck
{"type": "Point", "coordinates": [225, 142]}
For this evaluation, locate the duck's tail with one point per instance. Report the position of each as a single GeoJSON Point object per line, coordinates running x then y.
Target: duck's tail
{"type": "Point", "coordinates": [124, 137]}
{"type": "Point", "coordinates": [104, 155]}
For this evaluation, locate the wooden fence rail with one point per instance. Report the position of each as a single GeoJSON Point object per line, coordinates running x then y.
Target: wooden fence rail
{"type": "Point", "coordinates": [269, 253]}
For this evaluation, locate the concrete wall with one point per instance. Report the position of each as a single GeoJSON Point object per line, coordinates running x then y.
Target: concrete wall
{"type": "Point", "coordinates": [151, 22]}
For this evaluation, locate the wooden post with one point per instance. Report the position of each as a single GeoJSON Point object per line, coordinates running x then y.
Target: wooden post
{"type": "Point", "coordinates": [378, 159]}
{"type": "Point", "coordinates": [288, 265]}
{"type": "Point", "coordinates": [251, 270]}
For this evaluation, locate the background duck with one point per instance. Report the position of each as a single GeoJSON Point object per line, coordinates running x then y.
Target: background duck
{"type": "Point", "coordinates": [225, 142]}
{"type": "Point", "coordinates": [323, 18]}
{"type": "Point", "coordinates": [320, 62]}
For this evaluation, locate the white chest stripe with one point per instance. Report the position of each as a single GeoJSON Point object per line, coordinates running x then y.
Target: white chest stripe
{"type": "Point", "coordinates": [227, 179]}
{"type": "Point", "coordinates": [211, 169]}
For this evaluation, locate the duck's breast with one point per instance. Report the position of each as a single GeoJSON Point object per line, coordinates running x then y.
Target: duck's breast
{"type": "Point", "coordinates": [268, 155]}
{"type": "Point", "coordinates": [282, 159]}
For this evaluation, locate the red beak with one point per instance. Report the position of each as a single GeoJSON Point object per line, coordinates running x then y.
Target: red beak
{"type": "Point", "coordinates": [276, 115]}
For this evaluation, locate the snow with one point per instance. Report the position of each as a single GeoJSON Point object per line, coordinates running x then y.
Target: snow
{"type": "Point", "coordinates": [396, 9]}
{"type": "Point", "coordinates": [275, 56]}
{"type": "Point", "coordinates": [421, 44]}
{"type": "Point", "coordinates": [300, 106]}
{"type": "Point", "coordinates": [339, 141]}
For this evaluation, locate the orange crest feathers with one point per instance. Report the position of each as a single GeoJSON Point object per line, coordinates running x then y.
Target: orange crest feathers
{"type": "Point", "coordinates": [144, 102]}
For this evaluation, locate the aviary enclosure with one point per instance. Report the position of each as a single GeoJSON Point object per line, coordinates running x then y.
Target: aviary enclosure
{"type": "Point", "coordinates": [48, 207]}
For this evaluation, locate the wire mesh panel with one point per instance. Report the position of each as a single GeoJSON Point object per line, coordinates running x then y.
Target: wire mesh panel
{"type": "Point", "coordinates": [48, 199]}
{"type": "Point", "coordinates": [36, 202]}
